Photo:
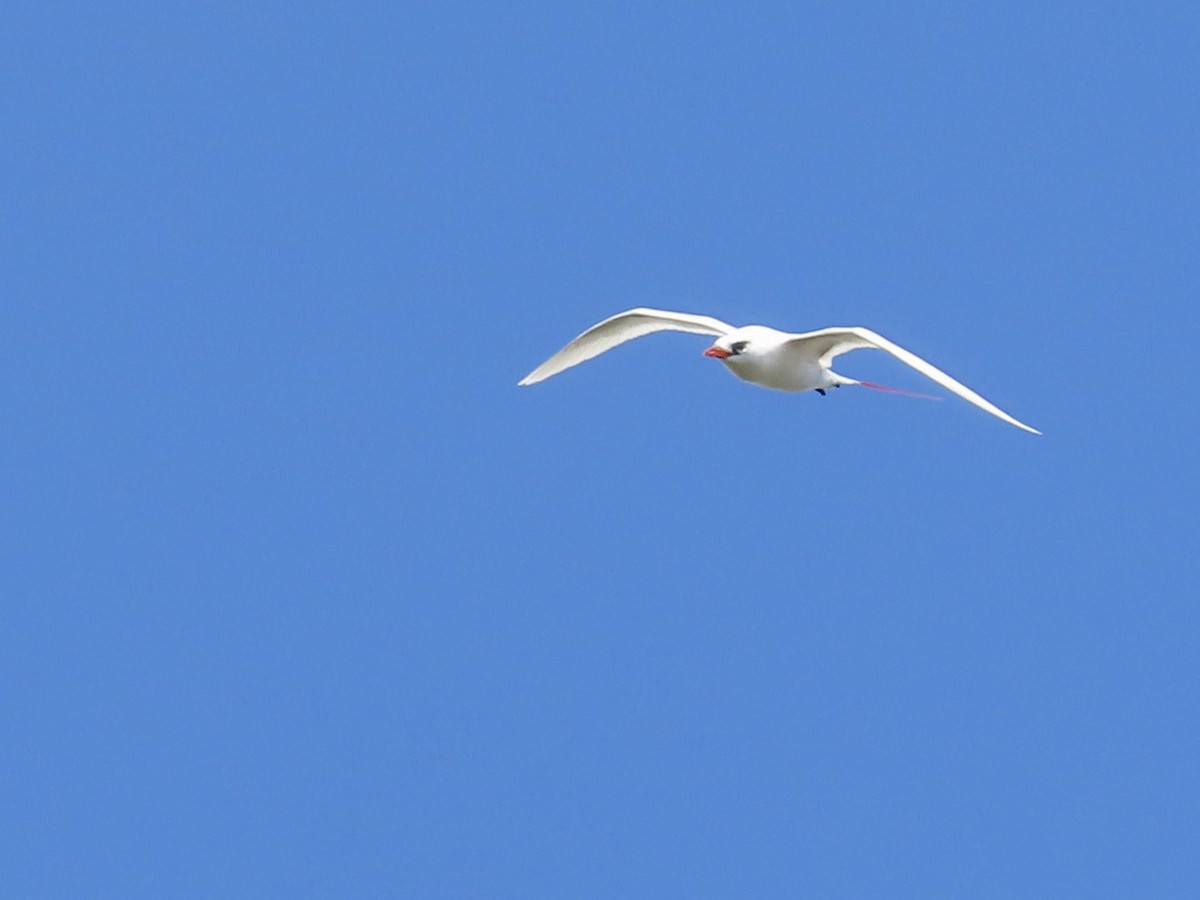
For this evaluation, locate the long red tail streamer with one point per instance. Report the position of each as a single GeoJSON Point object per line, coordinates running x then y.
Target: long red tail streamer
{"type": "Point", "coordinates": [892, 390]}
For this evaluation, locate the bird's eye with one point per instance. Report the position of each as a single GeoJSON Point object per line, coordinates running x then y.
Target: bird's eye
{"type": "Point", "coordinates": [738, 347]}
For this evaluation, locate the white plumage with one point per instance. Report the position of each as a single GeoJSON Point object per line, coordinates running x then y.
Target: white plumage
{"type": "Point", "coordinates": [758, 354]}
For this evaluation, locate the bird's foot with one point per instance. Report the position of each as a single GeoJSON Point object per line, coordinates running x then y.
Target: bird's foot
{"type": "Point", "coordinates": [821, 391]}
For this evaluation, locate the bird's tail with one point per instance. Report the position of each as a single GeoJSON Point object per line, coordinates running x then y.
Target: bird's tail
{"type": "Point", "coordinates": [887, 390]}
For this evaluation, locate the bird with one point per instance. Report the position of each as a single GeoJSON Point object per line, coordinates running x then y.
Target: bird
{"type": "Point", "coordinates": [759, 354]}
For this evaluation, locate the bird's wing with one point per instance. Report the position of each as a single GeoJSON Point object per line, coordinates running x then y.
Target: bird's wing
{"type": "Point", "coordinates": [830, 342]}
{"type": "Point", "coordinates": [622, 327]}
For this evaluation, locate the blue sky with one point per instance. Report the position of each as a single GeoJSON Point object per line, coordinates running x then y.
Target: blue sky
{"type": "Point", "coordinates": [303, 596]}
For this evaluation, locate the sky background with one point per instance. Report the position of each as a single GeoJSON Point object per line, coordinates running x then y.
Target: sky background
{"type": "Point", "coordinates": [303, 597]}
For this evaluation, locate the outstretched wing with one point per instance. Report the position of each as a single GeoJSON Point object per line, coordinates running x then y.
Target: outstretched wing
{"type": "Point", "coordinates": [828, 343]}
{"type": "Point", "coordinates": [622, 327]}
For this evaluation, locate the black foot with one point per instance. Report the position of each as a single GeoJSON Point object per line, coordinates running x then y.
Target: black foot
{"type": "Point", "coordinates": [821, 391]}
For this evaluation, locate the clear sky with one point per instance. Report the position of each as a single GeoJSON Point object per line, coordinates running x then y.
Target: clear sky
{"type": "Point", "coordinates": [303, 596]}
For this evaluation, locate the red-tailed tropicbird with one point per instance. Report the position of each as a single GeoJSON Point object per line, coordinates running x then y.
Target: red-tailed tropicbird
{"type": "Point", "coordinates": [758, 354]}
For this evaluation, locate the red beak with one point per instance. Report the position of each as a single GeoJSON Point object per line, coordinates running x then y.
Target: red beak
{"type": "Point", "coordinates": [717, 353]}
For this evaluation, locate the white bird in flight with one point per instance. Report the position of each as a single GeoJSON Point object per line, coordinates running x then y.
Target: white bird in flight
{"type": "Point", "coordinates": [758, 354]}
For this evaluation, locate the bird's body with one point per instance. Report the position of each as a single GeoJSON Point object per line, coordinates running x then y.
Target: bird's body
{"type": "Point", "coordinates": [757, 354]}
{"type": "Point", "coordinates": [772, 360]}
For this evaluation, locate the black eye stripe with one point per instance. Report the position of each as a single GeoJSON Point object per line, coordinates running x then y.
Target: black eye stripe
{"type": "Point", "coordinates": [739, 346]}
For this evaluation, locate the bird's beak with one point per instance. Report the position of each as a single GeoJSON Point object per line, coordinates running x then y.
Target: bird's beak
{"type": "Point", "coordinates": [717, 353]}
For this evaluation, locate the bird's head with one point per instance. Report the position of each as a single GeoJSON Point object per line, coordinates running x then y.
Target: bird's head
{"type": "Point", "coordinates": [741, 342]}
{"type": "Point", "coordinates": [729, 347]}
